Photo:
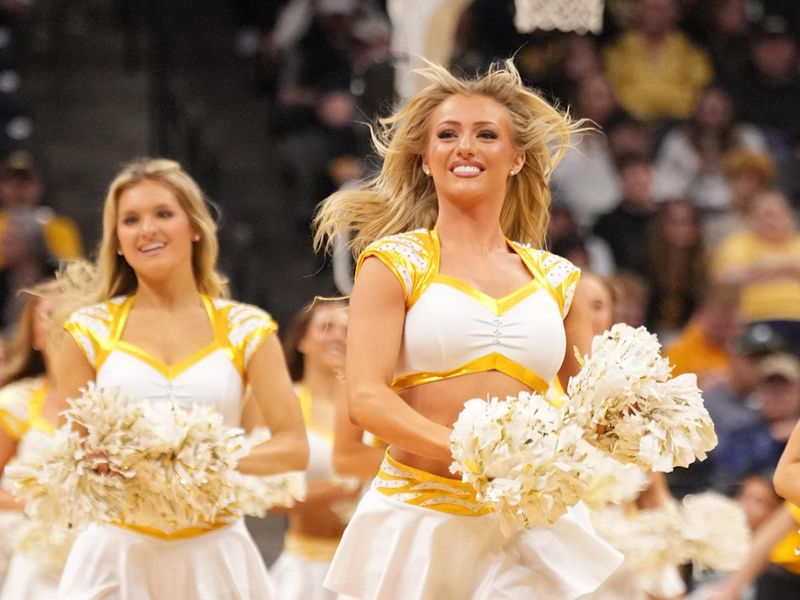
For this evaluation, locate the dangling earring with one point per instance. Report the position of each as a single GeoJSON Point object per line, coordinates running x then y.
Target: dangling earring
{"type": "Point", "coordinates": [426, 170]}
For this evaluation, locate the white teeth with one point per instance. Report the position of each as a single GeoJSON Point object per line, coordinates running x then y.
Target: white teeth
{"type": "Point", "coordinates": [466, 169]}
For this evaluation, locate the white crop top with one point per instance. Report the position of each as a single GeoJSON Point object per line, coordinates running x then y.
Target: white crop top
{"type": "Point", "coordinates": [214, 375]}
{"type": "Point", "coordinates": [320, 441]}
{"type": "Point", "coordinates": [453, 329]}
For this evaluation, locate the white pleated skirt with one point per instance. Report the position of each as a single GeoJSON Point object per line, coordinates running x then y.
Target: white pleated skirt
{"type": "Point", "coordinates": [28, 580]}
{"type": "Point", "coordinates": [392, 550]}
{"type": "Point", "coordinates": [109, 562]}
{"type": "Point", "coordinates": [628, 585]}
{"type": "Point", "coordinates": [297, 578]}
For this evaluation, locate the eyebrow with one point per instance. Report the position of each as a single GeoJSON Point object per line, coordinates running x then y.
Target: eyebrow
{"type": "Point", "coordinates": [481, 123]}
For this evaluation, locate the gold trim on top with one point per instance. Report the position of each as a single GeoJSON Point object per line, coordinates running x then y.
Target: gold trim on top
{"type": "Point", "coordinates": [8, 422]}
{"type": "Point", "coordinates": [310, 548]}
{"type": "Point", "coordinates": [490, 362]}
{"type": "Point", "coordinates": [37, 400]}
{"type": "Point", "coordinates": [304, 396]}
{"type": "Point", "coordinates": [171, 371]}
{"type": "Point", "coordinates": [498, 306]}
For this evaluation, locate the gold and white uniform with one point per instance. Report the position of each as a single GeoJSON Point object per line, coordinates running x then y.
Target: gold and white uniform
{"type": "Point", "coordinates": [300, 570]}
{"type": "Point", "coordinates": [137, 562]}
{"type": "Point", "coordinates": [418, 536]}
{"type": "Point", "coordinates": [21, 405]}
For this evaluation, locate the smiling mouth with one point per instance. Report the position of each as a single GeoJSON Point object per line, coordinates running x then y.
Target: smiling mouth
{"type": "Point", "coordinates": [152, 248]}
{"type": "Point", "coordinates": [467, 170]}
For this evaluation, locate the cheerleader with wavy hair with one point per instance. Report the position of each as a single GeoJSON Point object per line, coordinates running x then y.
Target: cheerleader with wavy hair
{"type": "Point", "coordinates": [455, 299]}
{"type": "Point", "coordinates": [156, 322]}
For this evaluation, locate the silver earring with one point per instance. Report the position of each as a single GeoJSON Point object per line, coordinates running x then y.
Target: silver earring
{"type": "Point", "coordinates": [514, 172]}
{"type": "Point", "coordinates": [426, 170]}
{"type": "Point", "coordinates": [119, 251]}
{"type": "Point", "coordinates": [196, 237]}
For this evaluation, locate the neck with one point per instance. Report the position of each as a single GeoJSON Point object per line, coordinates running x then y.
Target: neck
{"type": "Point", "coordinates": [321, 382]}
{"type": "Point", "coordinates": [170, 293]}
{"type": "Point", "coordinates": [654, 38]}
{"type": "Point", "coordinates": [475, 231]}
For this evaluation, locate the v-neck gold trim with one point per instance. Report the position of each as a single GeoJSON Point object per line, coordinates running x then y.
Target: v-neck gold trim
{"type": "Point", "coordinates": [169, 371]}
{"type": "Point", "coordinates": [497, 306]}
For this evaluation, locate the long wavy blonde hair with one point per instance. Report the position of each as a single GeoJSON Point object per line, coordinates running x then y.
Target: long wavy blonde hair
{"type": "Point", "coordinates": [401, 198]}
{"type": "Point", "coordinates": [88, 283]}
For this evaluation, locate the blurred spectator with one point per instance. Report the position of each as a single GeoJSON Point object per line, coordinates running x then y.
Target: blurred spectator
{"type": "Point", "coordinates": [587, 251]}
{"type": "Point", "coordinates": [632, 296]}
{"type": "Point", "coordinates": [21, 192]}
{"type": "Point", "coordinates": [758, 499]}
{"type": "Point", "coordinates": [601, 301]}
{"type": "Point", "coordinates": [579, 58]}
{"type": "Point", "coordinates": [690, 160]}
{"type": "Point", "coordinates": [26, 262]}
{"type": "Point", "coordinates": [676, 266]}
{"type": "Point", "coordinates": [320, 45]}
{"type": "Point", "coordinates": [625, 228]}
{"type": "Point", "coordinates": [770, 94]}
{"type": "Point", "coordinates": [586, 178]}
{"type": "Point", "coordinates": [758, 446]}
{"type": "Point", "coordinates": [748, 174]}
{"type": "Point", "coordinates": [656, 72]}
{"type": "Point", "coordinates": [704, 345]}
{"type": "Point", "coordinates": [627, 136]}
{"type": "Point", "coordinates": [764, 260]}
{"type": "Point", "coordinates": [726, 37]}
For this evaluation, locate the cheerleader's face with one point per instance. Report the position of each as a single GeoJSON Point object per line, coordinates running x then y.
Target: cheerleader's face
{"type": "Point", "coordinates": [470, 151]}
{"type": "Point", "coordinates": [325, 341]}
{"type": "Point", "coordinates": [153, 229]}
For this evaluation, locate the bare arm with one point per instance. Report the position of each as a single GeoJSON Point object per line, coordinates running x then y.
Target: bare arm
{"type": "Point", "coordinates": [8, 449]}
{"type": "Point", "coordinates": [351, 456]}
{"type": "Point", "coordinates": [287, 449]}
{"type": "Point", "coordinates": [578, 326]}
{"type": "Point", "coordinates": [73, 372]}
{"type": "Point", "coordinates": [787, 475]}
{"type": "Point", "coordinates": [375, 330]}
{"type": "Point", "coordinates": [778, 525]}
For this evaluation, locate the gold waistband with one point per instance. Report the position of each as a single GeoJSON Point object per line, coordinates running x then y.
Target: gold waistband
{"type": "Point", "coordinates": [181, 534]}
{"type": "Point", "coordinates": [310, 548]}
{"type": "Point", "coordinates": [420, 488]}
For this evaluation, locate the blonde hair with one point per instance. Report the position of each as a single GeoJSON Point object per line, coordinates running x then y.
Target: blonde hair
{"type": "Point", "coordinates": [401, 198]}
{"type": "Point", "coordinates": [87, 283]}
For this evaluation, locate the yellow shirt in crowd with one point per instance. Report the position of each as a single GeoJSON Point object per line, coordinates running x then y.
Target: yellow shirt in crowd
{"type": "Point", "coordinates": [769, 300]}
{"type": "Point", "coordinates": [655, 86]}
{"type": "Point", "coordinates": [785, 552]}
{"type": "Point", "coordinates": [692, 353]}
{"type": "Point", "coordinates": [61, 236]}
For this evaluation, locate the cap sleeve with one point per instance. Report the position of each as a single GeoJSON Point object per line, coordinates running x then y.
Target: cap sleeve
{"type": "Point", "coordinates": [407, 255]}
{"type": "Point", "coordinates": [248, 327]}
{"type": "Point", "coordinates": [90, 327]}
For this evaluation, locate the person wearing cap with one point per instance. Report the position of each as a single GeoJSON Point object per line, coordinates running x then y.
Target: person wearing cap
{"type": "Point", "coordinates": [758, 446]}
{"type": "Point", "coordinates": [21, 192]}
{"type": "Point", "coordinates": [770, 95]}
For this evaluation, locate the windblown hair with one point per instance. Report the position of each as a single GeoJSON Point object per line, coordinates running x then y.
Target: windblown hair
{"type": "Point", "coordinates": [401, 198]}
{"type": "Point", "coordinates": [25, 360]}
{"type": "Point", "coordinates": [86, 283]}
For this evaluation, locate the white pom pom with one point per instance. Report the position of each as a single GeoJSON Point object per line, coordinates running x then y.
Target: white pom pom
{"type": "Point", "coordinates": [716, 531]}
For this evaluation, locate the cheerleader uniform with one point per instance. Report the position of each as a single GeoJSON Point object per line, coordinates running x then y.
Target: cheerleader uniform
{"type": "Point", "coordinates": [419, 536]}
{"type": "Point", "coordinates": [300, 570]}
{"type": "Point", "coordinates": [21, 405]}
{"type": "Point", "coordinates": [133, 561]}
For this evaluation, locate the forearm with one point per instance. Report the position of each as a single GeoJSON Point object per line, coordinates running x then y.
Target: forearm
{"type": "Point", "coordinates": [777, 526]}
{"type": "Point", "coordinates": [284, 452]}
{"type": "Point", "coordinates": [386, 415]}
{"type": "Point", "coordinates": [7, 502]}
{"type": "Point", "coordinates": [357, 460]}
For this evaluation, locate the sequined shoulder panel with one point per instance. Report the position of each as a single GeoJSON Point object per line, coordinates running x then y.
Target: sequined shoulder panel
{"type": "Point", "coordinates": [92, 326]}
{"type": "Point", "coordinates": [561, 275]}
{"type": "Point", "coordinates": [247, 327]}
{"type": "Point", "coordinates": [409, 256]}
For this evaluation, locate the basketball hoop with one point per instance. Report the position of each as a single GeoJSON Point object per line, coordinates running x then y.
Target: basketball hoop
{"type": "Point", "coordinates": [580, 16]}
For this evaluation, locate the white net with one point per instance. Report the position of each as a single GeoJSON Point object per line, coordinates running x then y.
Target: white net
{"type": "Point", "coordinates": [580, 16]}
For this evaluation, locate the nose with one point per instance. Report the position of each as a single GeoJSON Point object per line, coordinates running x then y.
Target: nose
{"type": "Point", "coordinates": [465, 148]}
{"type": "Point", "coordinates": [148, 225]}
